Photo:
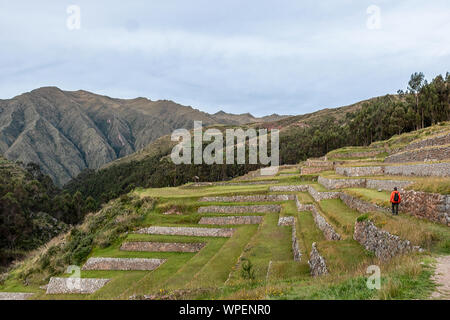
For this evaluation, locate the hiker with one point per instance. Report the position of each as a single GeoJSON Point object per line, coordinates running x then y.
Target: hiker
{"type": "Point", "coordinates": [395, 200]}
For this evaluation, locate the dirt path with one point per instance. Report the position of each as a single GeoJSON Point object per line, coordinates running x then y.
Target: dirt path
{"type": "Point", "coordinates": [442, 278]}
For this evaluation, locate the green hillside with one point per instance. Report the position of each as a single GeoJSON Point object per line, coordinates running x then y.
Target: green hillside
{"type": "Point", "coordinates": [257, 260]}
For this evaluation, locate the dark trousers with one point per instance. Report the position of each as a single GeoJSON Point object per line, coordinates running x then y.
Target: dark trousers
{"type": "Point", "coordinates": [395, 208]}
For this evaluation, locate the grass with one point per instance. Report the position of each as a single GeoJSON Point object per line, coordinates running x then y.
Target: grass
{"type": "Point", "coordinates": [433, 185]}
{"type": "Point", "coordinates": [380, 198]}
{"type": "Point", "coordinates": [341, 216]}
{"type": "Point", "coordinates": [215, 271]}
{"type": "Point", "coordinates": [307, 232]}
{"type": "Point", "coordinates": [270, 243]}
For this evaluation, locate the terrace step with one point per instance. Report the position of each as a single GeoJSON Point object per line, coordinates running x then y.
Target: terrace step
{"type": "Point", "coordinates": [15, 295]}
{"type": "Point", "coordinates": [250, 198]}
{"type": "Point", "coordinates": [362, 183]}
{"type": "Point", "coordinates": [233, 220]}
{"type": "Point", "coordinates": [74, 285]}
{"type": "Point", "coordinates": [241, 209]}
{"type": "Point", "coordinates": [292, 221]}
{"type": "Point", "coordinates": [327, 229]}
{"type": "Point", "coordinates": [188, 231]}
{"type": "Point", "coordinates": [317, 263]}
{"type": "Point", "coordinates": [424, 170]}
{"type": "Point", "coordinates": [162, 246]}
{"type": "Point", "coordinates": [433, 153]}
{"type": "Point", "coordinates": [122, 264]}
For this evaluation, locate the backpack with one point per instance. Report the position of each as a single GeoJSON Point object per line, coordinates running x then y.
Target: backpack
{"type": "Point", "coordinates": [396, 197]}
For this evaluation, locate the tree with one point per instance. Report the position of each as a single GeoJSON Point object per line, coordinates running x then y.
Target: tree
{"type": "Point", "coordinates": [415, 84]}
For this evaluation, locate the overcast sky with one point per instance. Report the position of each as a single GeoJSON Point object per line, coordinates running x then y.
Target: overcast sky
{"type": "Point", "coordinates": [262, 57]}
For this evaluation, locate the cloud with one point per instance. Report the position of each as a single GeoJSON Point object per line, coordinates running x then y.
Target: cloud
{"type": "Point", "coordinates": [258, 56]}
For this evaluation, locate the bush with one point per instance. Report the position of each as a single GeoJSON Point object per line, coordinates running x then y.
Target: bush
{"type": "Point", "coordinates": [363, 217]}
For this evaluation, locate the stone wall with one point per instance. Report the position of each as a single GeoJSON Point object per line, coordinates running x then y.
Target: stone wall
{"type": "Point", "coordinates": [426, 169]}
{"type": "Point", "coordinates": [424, 154]}
{"type": "Point", "coordinates": [15, 295]}
{"type": "Point", "coordinates": [387, 185]}
{"type": "Point", "coordinates": [363, 183]}
{"type": "Point", "coordinates": [162, 246]}
{"type": "Point", "coordinates": [341, 183]}
{"type": "Point", "coordinates": [356, 154]}
{"type": "Point", "coordinates": [240, 209]}
{"type": "Point", "coordinates": [431, 206]}
{"type": "Point", "coordinates": [291, 188]}
{"type": "Point", "coordinates": [359, 171]}
{"type": "Point", "coordinates": [122, 264]}
{"type": "Point", "coordinates": [286, 221]}
{"type": "Point", "coordinates": [317, 263]}
{"type": "Point", "coordinates": [292, 221]}
{"type": "Point", "coordinates": [319, 196]}
{"type": "Point", "coordinates": [188, 231]}
{"type": "Point", "coordinates": [250, 198]}
{"type": "Point", "coordinates": [231, 220]}
{"type": "Point", "coordinates": [209, 184]}
{"type": "Point", "coordinates": [360, 205]}
{"type": "Point", "coordinates": [382, 243]}
{"type": "Point", "coordinates": [75, 285]}
{"type": "Point", "coordinates": [312, 170]}
{"type": "Point", "coordinates": [295, 248]}
{"type": "Point", "coordinates": [434, 141]}
{"type": "Point", "coordinates": [319, 163]}
{"type": "Point", "coordinates": [328, 231]}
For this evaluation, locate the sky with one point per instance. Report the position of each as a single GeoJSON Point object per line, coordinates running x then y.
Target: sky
{"type": "Point", "coordinates": [262, 57]}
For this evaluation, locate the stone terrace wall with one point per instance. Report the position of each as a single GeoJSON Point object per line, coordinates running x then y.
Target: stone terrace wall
{"type": "Point", "coordinates": [432, 153]}
{"type": "Point", "coordinates": [74, 285]}
{"type": "Point", "coordinates": [426, 169]}
{"type": "Point", "coordinates": [231, 220]}
{"type": "Point", "coordinates": [362, 154]}
{"type": "Point", "coordinates": [434, 141]}
{"type": "Point", "coordinates": [291, 188]}
{"type": "Point", "coordinates": [295, 248]}
{"type": "Point", "coordinates": [292, 221]}
{"type": "Point", "coordinates": [360, 205]}
{"type": "Point", "coordinates": [359, 171]}
{"type": "Point", "coordinates": [312, 170]}
{"type": "Point", "coordinates": [387, 185]}
{"type": "Point", "coordinates": [319, 163]}
{"type": "Point", "coordinates": [250, 198]}
{"type": "Point", "coordinates": [319, 196]}
{"type": "Point", "coordinates": [362, 183]}
{"type": "Point", "coordinates": [240, 209]}
{"type": "Point", "coordinates": [316, 262]}
{"type": "Point", "coordinates": [328, 231]}
{"type": "Point", "coordinates": [15, 295]}
{"type": "Point", "coordinates": [430, 206]}
{"type": "Point", "coordinates": [122, 264]}
{"type": "Point", "coordinates": [162, 246]}
{"type": "Point", "coordinates": [286, 221]}
{"type": "Point", "coordinates": [382, 243]}
{"type": "Point", "coordinates": [341, 183]}
{"type": "Point", "coordinates": [188, 231]}
{"type": "Point", "coordinates": [209, 184]}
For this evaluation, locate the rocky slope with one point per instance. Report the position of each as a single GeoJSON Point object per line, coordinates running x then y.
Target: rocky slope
{"type": "Point", "coordinates": [65, 132]}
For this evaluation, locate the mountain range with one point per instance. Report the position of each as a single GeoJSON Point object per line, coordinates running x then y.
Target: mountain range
{"type": "Point", "coordinates": [68, 131]}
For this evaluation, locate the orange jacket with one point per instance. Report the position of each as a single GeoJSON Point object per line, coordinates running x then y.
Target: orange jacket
{"type": "Point", "coordinates": [392, 197]}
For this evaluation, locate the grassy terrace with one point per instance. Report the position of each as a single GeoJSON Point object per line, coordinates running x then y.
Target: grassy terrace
{"type": "Point", "coordinates": [427, 184]}
{"type": "Point", "coordinates": [216, 271]}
